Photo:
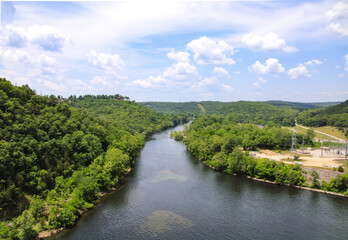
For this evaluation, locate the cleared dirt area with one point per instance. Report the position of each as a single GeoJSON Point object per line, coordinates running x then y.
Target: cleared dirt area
{"type": "Point", "coordinates": [311, 158]}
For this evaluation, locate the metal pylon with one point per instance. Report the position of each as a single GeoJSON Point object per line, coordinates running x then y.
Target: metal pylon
{"type": "Point", "coordinates": [293, 142]}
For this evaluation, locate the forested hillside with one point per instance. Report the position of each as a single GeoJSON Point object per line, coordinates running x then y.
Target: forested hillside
{"type": "Point", "coordinates": [127, 115]}
{"type": "Point", "coordinates": [296, 105]}
{"type": "Point", "coordinates": [242, 111]}
{"type": "Point", "coordinates": [175, 107]}
{"type": "Point", "coordinates": [55, 159]}
{"type": "Point", "coordinates": [256, 112]}
{"type": "Point", "coordinates": [331, 116]}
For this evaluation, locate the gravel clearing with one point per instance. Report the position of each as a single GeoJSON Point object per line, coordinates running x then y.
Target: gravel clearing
{"type": "Point", "coordinates": [324, 174]}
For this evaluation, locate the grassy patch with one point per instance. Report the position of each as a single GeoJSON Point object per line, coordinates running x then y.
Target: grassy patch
{"type": "Point", "coordinates": [201, 108]}
{"type": "Point", "coordinates": [301, 130]}
{"type": "Point", "coordinates": [331, 131]}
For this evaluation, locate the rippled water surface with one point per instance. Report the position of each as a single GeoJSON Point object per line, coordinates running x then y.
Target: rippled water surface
{"type": "Point", "coordinates": [171, 195]}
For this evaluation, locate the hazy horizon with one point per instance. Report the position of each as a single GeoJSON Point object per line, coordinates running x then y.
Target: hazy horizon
{"type": "Point", "coordinates": [174, 51]}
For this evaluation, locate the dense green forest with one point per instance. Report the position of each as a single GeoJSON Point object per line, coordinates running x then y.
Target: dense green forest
{"type": "Point", "coordinates": [331, 116]}
{"type": "Point", "coordinates": [190, 108]}
{"type": "Point", "coordinates": [242, 111]}
{"type": "Point", "coordinates": [127, 115]}
{"type": "Point", "coordinates": [55, 159]}
{"type": "Point", "coordinates": [218, 142]}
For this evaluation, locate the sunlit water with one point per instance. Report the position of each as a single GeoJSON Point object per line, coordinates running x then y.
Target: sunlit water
{"type": "Point", "coordinates": [171, 195]}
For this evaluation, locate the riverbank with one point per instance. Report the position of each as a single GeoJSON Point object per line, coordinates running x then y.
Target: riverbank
{"type": "Point", "coordinates": [288, 185]}
{"type": "Point", "coordinates": [50, 233]}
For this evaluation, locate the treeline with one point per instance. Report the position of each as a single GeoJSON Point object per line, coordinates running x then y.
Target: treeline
{"type": "Point", "coordinates": [218, 142]}
{"type": "Point", "coordinates": [103, 96]}
{"type": "Point", "coordinates": [55, 159]}
{"type": "Point", "coordinates": [302, 106]}
{"type": "Point", "coordinates": [256, 112]}
{"type": "Point", "coordinates": [127, 115]}
{"type": "Point", "coordinates": [242, 111]}
{"type": "Point", "coordinates": [331, 116]}
{"type": "Point", "coordinates": [190, 108]}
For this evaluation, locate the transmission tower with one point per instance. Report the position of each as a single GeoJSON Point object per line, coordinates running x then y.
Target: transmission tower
{"type": "Point", "coordinates": [293, 142]}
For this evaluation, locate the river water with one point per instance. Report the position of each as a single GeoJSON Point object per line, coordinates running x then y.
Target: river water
{"type": "Point", "coordinates": [171, 195]}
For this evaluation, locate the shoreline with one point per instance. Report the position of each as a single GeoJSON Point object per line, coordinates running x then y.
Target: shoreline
{"type": "Point", "coordinates": [271, 182]}
{"type": "Point", "coordinates": [50, 233]}
{"type": "Point", "coordinates": [300, 187]}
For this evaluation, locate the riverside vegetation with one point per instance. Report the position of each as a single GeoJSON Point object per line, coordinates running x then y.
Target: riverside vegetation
{"type": "Point", "coordinates": [55, 159]}
{"type": "Point", "coordinates": [218, 142]}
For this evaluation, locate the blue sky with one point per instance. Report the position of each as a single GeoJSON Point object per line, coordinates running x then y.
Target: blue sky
{"type": "Point", "coordinates": [179, 50]}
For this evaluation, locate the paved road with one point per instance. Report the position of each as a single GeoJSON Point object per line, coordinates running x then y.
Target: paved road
{"type": "Point", "coordinates": [339, 139]}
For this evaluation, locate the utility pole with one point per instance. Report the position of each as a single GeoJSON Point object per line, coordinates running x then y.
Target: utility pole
{"type": "Point", "coordinates": [321, 147]}
{"type": "Point", "coordinates": [346, 151]}
{"type": "Point", "coordinates": [302, 144]}
{"type": "Point", "coordinates": [293, 142]}
{"type": "Point", "coordinates": [329, 145]}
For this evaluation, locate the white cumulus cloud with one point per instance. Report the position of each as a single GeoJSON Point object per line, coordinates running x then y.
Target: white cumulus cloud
{"type": "Point", "coordinates": [47, 37]}
{"type": "Point", "coordinates": [338, 28]}
{"type": "Point", "coordinates": [104, 81]}
{"type": "Point", "coordinates": [271, 66]}
{"type": "Point", "coordinates": [313, 62]}
{"type": "Point", "coordinates": [180, 71]}
{"type": "Point", "coordinates": [208, 81]}
{"type": "Point", "coordinates": [46, 61]}
{"type": "Point", "coordinates": [227, 87]}
{"type": "Point", "coordinates": [179, 56]}
{"type": "Point", "coordinates": [298, 72]}
{"type": "Point", "coordinates": [150, 82]}
{"type": "Point", "coordinates": [269, 41]}
{"type": "Point", "coordinates": [54, 86]}
{"type": "Point", "coordinates": [221, 71]}
{"type": "Point", "coordinates": [48, 71]}
{"type": "Point", "coordinates": [106, 61]}
{"type": "Point", "coordinates": [209, 51]}
{"type": "Point", "coordinates": [15, 36]}
{"type": "Point", "coordinates": [262, 80]}
{"type": "Point", "coordinates": [44, 36]}
{"type": "Point", "coordinates": [337, 11]}
{"type": "Point", "coordinates": [338, 16]}
{"type": "Point", "coordinates": [256, 84]}
{"type": "Point", "coordinates": [16, 56]}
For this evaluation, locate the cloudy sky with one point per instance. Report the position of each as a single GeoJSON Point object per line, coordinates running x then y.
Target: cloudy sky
{"type": "Point", "coordinates": [179, 50]}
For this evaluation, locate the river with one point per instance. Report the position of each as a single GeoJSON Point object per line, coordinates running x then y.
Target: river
{"type": "Point", "coordinates": [171, 195]}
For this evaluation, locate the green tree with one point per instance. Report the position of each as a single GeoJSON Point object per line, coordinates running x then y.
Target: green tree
{"type": "Point", "coordinates": [315, 179]}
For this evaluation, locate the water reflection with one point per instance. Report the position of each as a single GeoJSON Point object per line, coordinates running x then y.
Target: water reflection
{"type": "Point", "coordinates": [161, 221]}
{"type": "Point", "coordinates": [164, 175]}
